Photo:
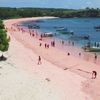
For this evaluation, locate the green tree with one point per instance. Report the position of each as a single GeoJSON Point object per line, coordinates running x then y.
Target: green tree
{"type": "Point", "coordinates": [4, 42]}
{"type": "Point", "coordinates": [1, 24]}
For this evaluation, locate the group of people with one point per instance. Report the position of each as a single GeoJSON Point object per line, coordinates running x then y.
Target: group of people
{"type": "Point", "coordinates": [97, 44]}
{"type": "Point", "coordinates": [53, 43]}
{"type": "Point", "coordinates": [94, 73]}
{"type": "Point", "coordinates": [45, 45]}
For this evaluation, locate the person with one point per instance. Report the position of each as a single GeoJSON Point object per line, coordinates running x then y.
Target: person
{"type": "Point", "coordinates": [72, 43]}
{"type": "Point", "coordinates": [79, 54]}
{"type": "Point", "coordinates": [68, 54]}
{"type": "Point", "coordinates": [45, 45]}
{"type": "Point", "coordinates": [94, 74]}
{"type": "Point", "coordinates": [41, 36]}
{"type": "Point", "coordinates": [39, 60]}
{"type": "Point", "coordinates": [40, 44]}
{"type": "Point", "coordinates": [33, 34]}
{"type": "Point", "coordinates": [53, 43]}
{"type": "Point", "coordinates": [69, 42]}
{"type": "Point", "coordinates": [62, 42]}
{"type": "Point", "coordinates": [95, 56]}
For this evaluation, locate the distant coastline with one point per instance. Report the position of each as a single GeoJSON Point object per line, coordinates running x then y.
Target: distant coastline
{"type": "Point", "coordinates": [36, 12]}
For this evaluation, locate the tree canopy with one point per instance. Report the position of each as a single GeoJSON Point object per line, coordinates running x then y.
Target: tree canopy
{"type": "Point", "coordinates": [1, 24]}
{"type": "Point", "coordinates": [4, 41]}
{"type": "Point", "coordinates": [6, 12]}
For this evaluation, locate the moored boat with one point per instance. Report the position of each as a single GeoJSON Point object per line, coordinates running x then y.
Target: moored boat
{"type": "Point", "coordinates": [65, 31]}
{"type": "Point", "coordinates": [78, 37]}
{"type": "Point", "coordinates": [48, 34]}
{"type": "Point", "coordinates": [97, 27]}
{"type": "Point", "coordinates": [91, 49]}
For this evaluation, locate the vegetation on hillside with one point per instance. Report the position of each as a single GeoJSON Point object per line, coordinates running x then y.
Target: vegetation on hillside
{"type": "Point", "coordinates": [6, 12]}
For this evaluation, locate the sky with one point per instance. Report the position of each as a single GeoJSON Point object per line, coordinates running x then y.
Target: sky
{"type": "Point", "coordinates": [70, 4]}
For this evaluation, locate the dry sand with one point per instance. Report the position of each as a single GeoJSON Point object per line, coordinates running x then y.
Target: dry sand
{"type": "Point", "coordinates": [22, 79]}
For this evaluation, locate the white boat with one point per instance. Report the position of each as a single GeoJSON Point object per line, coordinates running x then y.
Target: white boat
{"type": "Point", "coordinates": [91, 49]}
{"type": "Point", "coordinates": [49, 34]}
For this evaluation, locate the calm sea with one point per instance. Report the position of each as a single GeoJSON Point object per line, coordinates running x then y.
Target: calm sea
{"type": "Point", "coordinates": [80, 27]}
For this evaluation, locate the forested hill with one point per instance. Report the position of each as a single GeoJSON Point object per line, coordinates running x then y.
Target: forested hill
{"type": "Point", "coordinates": [6, 12]}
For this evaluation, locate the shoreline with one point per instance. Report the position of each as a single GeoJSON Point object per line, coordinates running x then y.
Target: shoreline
{"type": "Point", "coordinates": [54, 51]}
{"type": "Point", "coordinates": [67, 47]}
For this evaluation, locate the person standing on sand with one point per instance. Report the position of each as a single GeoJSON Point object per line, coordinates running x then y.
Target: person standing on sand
{"type": "Point", "coordinates": [94, 74]}
{"type": "Point", "coordinates": [95, 56]}
{"type": "Point", "coordinates": [39, 60]}
{"type": "Point", "coordinates": [72, 43]}
{"type": "Point", "coordinates": [62, 42]}
{"type": "Point", "coordinates": [53, 43]}
{"type": "Point", "coordinates": [45, 45]}
{"type": "Point", "coordinates": [40, 44]}
{"type": "Point", "coordinates": [68, 54]}
{"type": "Point", "coordinates": [79, 54]}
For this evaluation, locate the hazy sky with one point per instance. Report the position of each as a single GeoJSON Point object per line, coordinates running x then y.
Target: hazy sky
{"type": "Point", "coordinates": [76, 4]}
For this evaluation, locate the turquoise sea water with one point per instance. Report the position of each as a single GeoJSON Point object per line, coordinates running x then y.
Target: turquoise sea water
{"type": "Point", "coordinates": [80, 26]}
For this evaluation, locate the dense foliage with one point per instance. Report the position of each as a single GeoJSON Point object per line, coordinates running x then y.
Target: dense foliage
{"type": "Point", "coordinates": [4, 41]}
{"type": "Point", "coordinates": [1, 24]}
{"type": "Point", "coordinates": [31, 12]}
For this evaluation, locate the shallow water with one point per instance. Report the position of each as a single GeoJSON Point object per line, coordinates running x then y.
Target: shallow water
{"type": "Point", "coordinates": [80, 26]}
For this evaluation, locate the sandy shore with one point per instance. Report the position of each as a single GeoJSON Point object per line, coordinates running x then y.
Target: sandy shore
{"type": "Point", "coordinates": [21, 77]}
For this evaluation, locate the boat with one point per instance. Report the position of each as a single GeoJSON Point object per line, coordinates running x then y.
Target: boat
{"type": "Point", "coordinates": [97, 30]}
{"type": "Point", "coordinates": [97, 27]}
{"type": "Point", "coordinates": [58, 27]}
{"type": "Point", "coordinates": [65, 31]}
{"type": "Point", "coordinates": [94, 49]}
{"type": "Point", "coordinates": [48, 34]}
{"type": "Point", "coordinates": [78, 37]}
{"type": "Point", "coordinates": [91, 49]}
{"type": "Point", "coordinates": [36, 26]}
{"type": "Point", "coordinates": [86, 37]}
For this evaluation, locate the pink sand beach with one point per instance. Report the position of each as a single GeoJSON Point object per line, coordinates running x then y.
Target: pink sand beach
{"type": "Point", "coordinates": [59, 77]}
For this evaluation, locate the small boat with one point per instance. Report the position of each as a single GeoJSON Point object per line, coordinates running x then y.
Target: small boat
{"type": "Point", "coordinates": [65, 31]}
{"type": "Point", "coordinates": [97, 30]}
{"type": "Point", "coordinates": [33, 26]}
{"type": "Point", "coordinates": [94, 49]}
{"type": "Point", "coordinates": [36, 26]}
{"type": "Point", "coordinates": [97, 27]}
{"type": "Point", "coordinates": [91, 49]}
{"type": "Point", "coordinates": [86, 37]}
{"type": "Point", "coordinates": [78, 37]}
{"type": "Point", "coordinates": [49, 34]}
{"type": "Point", "coordinates": [58, 27]}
